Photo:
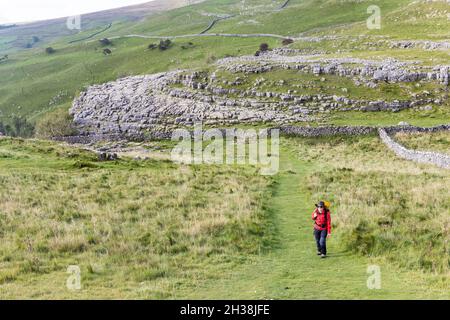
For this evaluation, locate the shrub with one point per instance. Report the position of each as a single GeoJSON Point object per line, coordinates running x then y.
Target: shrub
{"type": "Point", "coordinates": [211, 59]}
{"type": "Point", "coordinates": [55, 124]}
{"type": "Point", "coordinates": [287, 42]}
{"type": "Point", "coordinates": [152, 46]}
{"type": "Point", "coordinates": [49, 50]}
{"type": "Point", "coordinates": [164, 44]}
{"type": "Point", "coordinates": [105, 42]}
{"type": "Point", "coordinates": [19, 127]}
{"type": "Point", "coordinates": [263, 47]}
{"type": "Point", "coordinates": [188, 46]}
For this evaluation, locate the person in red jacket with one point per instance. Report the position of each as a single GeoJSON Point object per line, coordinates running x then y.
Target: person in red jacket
{"type": "Point", "coordinates": [322, 228]}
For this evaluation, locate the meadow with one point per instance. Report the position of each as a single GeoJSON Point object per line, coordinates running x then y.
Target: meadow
{"type": "Point", "coordinates": [438, 141]}
{"type": "Point", "coordinates": [34, 82]}
{"type": "Point", "coordinates": [153, 229]}
{"type": "Point", "coordinates": [126, 224]}
{"type": "Point", "coordinates": [158, 230]}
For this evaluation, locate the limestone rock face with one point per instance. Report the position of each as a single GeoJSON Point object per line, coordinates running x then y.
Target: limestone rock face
{"type": "Point", "coordinates": [134, 106]}
{"type": "Point", "coordinates": [154, 105]}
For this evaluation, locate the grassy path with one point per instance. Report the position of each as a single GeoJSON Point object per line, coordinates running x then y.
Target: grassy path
{"type": "Point", "coordinates": [292, 270]}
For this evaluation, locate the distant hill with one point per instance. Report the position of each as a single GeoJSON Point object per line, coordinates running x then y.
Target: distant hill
{"type": "Point", "coordinates": [20, 36]}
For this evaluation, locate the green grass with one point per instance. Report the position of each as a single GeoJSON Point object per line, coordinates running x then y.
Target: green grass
{"type": "Point", "coordinates": [158, 230]}
{"type": "Point", "coordinates": [437, 116]}
{"type": "Point", "coordinates": [437, 141]}
{"type": "Point", "coordinates": [292, 270]}
{"type": "Point", "coordinates": [377, 214]}
{"type": "Point", "coordinates": [126, 224]}
{"type": "Point", "coordinates": [34, 83]}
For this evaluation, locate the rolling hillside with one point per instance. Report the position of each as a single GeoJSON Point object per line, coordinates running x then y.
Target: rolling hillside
{"type": "Point", "coordinates": [21, 35]}
{"type": "Point", "coordinates": [34, 82]}
{"type": "Point", "coordinates": [142, 226]}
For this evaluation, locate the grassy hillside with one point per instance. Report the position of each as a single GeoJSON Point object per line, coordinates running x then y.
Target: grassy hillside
{"type": "Point", "coordinates": [34, 82]}
{"type": "Point", "coordinates": [385, 206]}
{"type": "Point", "coordinates": [40, 33]}
{"type": "Point", "coordinates": [438, 142]}
{"type": "Point", "coordinates": [152, 229]}
{"type": "Point", "coordinates": [155, 229]}
{"type": "Point", "coordinates": [128, 225]}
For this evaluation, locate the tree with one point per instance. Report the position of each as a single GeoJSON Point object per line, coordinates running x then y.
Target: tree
{"type": "Point", "coordinates": [20, 128]}
{"type": "Point", "coordinates": [2, 129]}
{"type": "Point", "coordinates": [263, 47]}
{"type": "Point", "coordinates": [50, 50]}
{"type": "Point", "coordinates": [58, 123]}
{"type": "Point", "coordinates": [35, 39]}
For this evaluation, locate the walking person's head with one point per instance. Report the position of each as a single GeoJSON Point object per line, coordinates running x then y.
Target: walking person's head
{"type": "Point", "coordinates": [321, 206]}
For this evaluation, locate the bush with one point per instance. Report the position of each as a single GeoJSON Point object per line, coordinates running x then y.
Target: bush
{"type": "Point", "coordinates": [211, 59]}
{"type": "Point", "coordinates": [188, 46]}
{"type": "Point", "coordinates": [164, 44]}
{"type": "Point", "coordinates": [263, 47]}
{"type": "Point", "coordinates": [50, 50]}
{"type": "Point", "coordinates": [105, 42]}
{"type": "Point", "coordinates": [287, 42]}
{"type": "Point", "coordinates": [55, 124]}
{"type": "Point", "coordinates": [19, 127]}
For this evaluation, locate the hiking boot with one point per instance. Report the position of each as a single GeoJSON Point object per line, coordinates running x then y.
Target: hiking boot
{"type": "Point", "coordinates": [323, 256]}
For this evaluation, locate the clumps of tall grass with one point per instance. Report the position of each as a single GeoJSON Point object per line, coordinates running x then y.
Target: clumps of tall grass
{"type": "Point", "coordinates": [142, 221]}
{"type": "Point", "coordinates": [435, 141]}
{"type": "Point", "coordinates": [383, 206]}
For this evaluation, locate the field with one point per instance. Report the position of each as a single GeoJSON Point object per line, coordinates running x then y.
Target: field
{"type": "Point", "coordinates": [128, 225]}
{"type": "Point", "coordinates": [150, 228]}
{"type": "Point", "coordinates": [34, 82]}
{"type": "Point", "coordinates": [438, 142]}
{"type": "Point", "coordinates": [153, 229]}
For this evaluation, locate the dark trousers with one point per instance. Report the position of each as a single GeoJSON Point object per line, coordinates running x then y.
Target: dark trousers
{"type": "Point", "coordinates": [321, 240]}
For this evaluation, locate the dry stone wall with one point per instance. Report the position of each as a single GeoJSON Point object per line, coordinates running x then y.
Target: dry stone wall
{"type": "Point", "coordinates": [438, 159]}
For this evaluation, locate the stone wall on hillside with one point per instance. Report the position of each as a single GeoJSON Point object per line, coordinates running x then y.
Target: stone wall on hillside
{"type": "Point", "coordinates": [438, 159]}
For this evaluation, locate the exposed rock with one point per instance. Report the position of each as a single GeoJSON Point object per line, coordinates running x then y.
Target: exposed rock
{"type": "Point", "coordinates": [148, 105]}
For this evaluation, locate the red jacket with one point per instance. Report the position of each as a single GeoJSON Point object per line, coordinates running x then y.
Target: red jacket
{"type": "Point", "coordinates": [320, 220]}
